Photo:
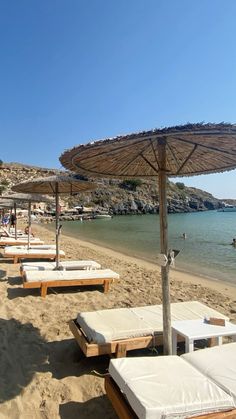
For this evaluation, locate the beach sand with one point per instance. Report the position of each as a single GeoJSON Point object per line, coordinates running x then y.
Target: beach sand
{"type": "Point", "coordinates": [43, 372]}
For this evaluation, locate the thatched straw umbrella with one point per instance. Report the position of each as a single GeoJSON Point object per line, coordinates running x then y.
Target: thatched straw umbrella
{"type": "Point", "coordinates": [187, 150]}
{"type": "Point", "coordinates": [22, 197]}
{"type": "Point", "coordinates": [6, 203]}
{"type": "Point", "coordinates": [55, 185]}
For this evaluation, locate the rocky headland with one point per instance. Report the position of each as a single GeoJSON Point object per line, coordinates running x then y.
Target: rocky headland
{"type": "Point", "coordinates": [118, 197]}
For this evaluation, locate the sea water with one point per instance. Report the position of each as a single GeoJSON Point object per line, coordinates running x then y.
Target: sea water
{"type": "Point", "coordinates": [206, 251]}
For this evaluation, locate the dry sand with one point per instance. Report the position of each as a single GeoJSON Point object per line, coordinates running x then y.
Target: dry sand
{"type": "Point", "coordinates": [43, 374]}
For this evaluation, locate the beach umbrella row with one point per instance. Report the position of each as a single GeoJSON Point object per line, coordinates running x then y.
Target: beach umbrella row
{"type": "Point", "coordinates": [10, 204]}
{"type": "Point", "coordinates": [18, 198]}
{"type": "Point", "coordinates": [55, 185]}
{"type": "Point", "coordinates": [191, 149]}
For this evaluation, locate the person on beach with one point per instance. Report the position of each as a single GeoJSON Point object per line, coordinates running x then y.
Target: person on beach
{"type": "Point", "coordinates": [27, 228]}
{"type": "Point", "coordinates": [5, 220]}
{"type": "Point", "coordinates": [184, 236]}
{"type": "Point", "coordinates": [12, 220]}
{"type": "Point", "coordinates": [233, 243]}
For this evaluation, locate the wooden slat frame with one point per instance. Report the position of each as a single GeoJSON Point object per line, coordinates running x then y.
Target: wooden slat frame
{"type": "Point", "coordinates": [124, 410]}
{"type": "Point", "coordinates": [118, 401]}
{"type": "Point", "coordinates": [66, 283]}
{"type": "Point", "coordinates": [19, 242]}
{"type": "Point", "coordinates": [17, 258]}
{"type": "Point", "coordinates": [118, 347]}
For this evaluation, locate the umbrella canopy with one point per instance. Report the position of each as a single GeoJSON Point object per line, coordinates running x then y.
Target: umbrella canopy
{"type": "Point", "coordinates": [51, 185]}
{"type": "Point", "coordinates": [55, 185]}
{"type": "Point", "coordinates": [191, 149]}
{"type": "Point", "coordinates": [23, 197]}
{"type": "Point", "coordinates": [6, 203]}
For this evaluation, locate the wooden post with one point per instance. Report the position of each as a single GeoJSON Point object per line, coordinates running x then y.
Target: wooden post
{"type": "Point", "coordinates": [57, 227]}
{"type": "Point", "coordinates": [106, 286]}
{"type": "Point", "coordinates": [44, 289]}
{"type": "Point", "coordinates": [29, 223]}
{"type": "Point", "coordinates": [15, 220]}
{"type": "Point", "coordinates": [167, 341]}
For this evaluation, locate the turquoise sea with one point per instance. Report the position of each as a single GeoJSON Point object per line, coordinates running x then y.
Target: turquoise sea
{"type": "Point", "coordinates": [207, 251]}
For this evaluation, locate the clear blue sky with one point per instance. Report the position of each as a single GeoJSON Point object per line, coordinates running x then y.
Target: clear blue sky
{"type": "Point", "coordinates": [77, 70]}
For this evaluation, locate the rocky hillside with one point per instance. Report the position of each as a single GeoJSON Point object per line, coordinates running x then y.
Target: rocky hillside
{"type": "Point", "coordinates": [118, 197]}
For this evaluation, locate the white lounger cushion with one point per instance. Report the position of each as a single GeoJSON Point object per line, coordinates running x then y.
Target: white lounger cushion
{"type": "Point", "coordinates": [36, 250]}
{"type": "Point", "coordinates": [108, 325]}
{"type": "Point", "coordinates": [48, 276]}
{"type": "Point", "coordinates": [217, 363]}
{"type": "Point", "coordinates": [19, 241]}
{"type": "Point", "coordinates": [20, 237]}
{"type": "Point", "coordinates": [14, 250]}
{"type": "Point", "coordinates": [167, 387]}
{"type": "Point", "coordinates": [66, 265]}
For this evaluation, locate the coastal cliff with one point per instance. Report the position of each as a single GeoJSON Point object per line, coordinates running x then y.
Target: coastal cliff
{"type": "Point", "coordinates": [118, 197]}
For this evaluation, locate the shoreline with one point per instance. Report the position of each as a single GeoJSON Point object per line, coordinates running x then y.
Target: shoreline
{"type": "Point", "coordinates": [227, 288]}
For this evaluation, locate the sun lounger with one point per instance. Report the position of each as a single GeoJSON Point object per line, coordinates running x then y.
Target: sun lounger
{"type": "Point", "coordinates": [5, 233]}
{"type": "Point", "coordinates": [120, 330]}
{"type": "Point", "coordinates": [33, 246]}
{"type": "Point", "coordinates": [9, 241]}
{"type": "Point", "coordinates": [46, 279]}
{"type": "Point", "coordinates": [67, 265]}
{"type": "Point", "coordinates": [35, 252]}
{"type": "Point", "coordinates": [201, 384]}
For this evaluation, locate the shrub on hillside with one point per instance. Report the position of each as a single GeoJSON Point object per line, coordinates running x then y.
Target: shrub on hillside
{"type": "Point", "coordinates": [180, 185]}
{"type": "Point", "coordinates": [130, 184]}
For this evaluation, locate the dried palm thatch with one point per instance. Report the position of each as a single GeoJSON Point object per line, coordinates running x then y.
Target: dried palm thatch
{"type": "Point", "coordinates": [50, 185]}
{"type": "Point", "coordinates": [23, 197]}
{"type": "Point", "coordinates": [191, 149]}
{"type": "Point", "coordinates": [6, 203]}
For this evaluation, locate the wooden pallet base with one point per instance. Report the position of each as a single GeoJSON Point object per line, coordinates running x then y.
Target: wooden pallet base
{"type": "Point", "coordinates": [124, 410]}
{"type": "Point", "coordinates": [117, 347]}
{"type": "Point", "coordinates": [43, 286]}
{"type": "Point", "coordinates": [17, 258]}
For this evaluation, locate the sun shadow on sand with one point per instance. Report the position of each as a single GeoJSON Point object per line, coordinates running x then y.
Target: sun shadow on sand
{"type": "Point", "coordinates": [3, 275]}
{"type": "Point", "coordinates": [22, 354]}
{"type": "Point", "coordinates": [35, 292]}
{"type": "Point", "coordinates": [5, 260]}
{"type": "Point", "coordinates": [14, 280]}
{"type": "Point", "coordinates": [13, 293]}
{"type": "Point", "coordinates": [66, 359]}
{"type": "Point", "coordinates": [98, 406]}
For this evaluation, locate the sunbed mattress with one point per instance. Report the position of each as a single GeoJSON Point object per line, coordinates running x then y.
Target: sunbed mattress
{"type": "Point", "coordinates": [218, 364]}
{"type": "Point", "coordinates": [32, 246]}
{"type": "Point", "coordinates": [44, 248]}
{"type": "Point", "coordinates": [46, 276]}
{"type": "Point", "coordinates": [19, 239]}
{"type": "Point", "coordinates": [167, 387]}
{"type": "Point", "coordinates": [65, 265]}
{"type": "Point", "coordinates": [36, 250]}
{"type": "Point", "coordinates": [114, 324]}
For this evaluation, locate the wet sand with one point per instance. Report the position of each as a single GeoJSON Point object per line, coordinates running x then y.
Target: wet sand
{"type": "Point", "coordinates": [43, 373]}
